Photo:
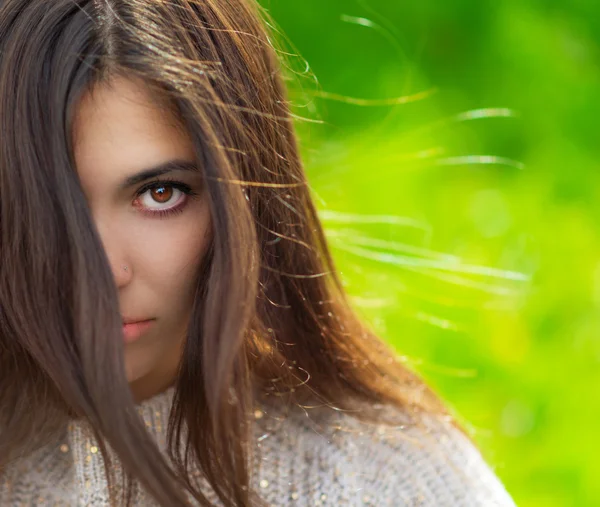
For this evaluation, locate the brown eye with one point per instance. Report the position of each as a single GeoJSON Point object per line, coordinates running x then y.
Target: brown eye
{"type": "Point", "coordinates": [162, 194]}
{"type": "Point", "coordinates": [161, 198]}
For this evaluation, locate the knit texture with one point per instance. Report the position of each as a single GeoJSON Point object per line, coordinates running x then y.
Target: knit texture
{"type": "Point", "coordinates": [305, 458]}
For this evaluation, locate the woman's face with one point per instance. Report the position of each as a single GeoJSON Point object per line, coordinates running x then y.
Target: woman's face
{"type": "Point", "coordinates": [153, 218]}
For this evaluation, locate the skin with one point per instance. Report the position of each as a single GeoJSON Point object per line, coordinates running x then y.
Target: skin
{"type": "Point", "coordinates": [120, 130]}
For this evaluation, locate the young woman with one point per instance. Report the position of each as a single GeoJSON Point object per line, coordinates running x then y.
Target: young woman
{"type": "Point", "coordinates": [172, 328]}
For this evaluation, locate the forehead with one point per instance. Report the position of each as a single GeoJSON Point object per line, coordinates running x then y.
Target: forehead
{"type": "Point", "coordinates": [120, 126]}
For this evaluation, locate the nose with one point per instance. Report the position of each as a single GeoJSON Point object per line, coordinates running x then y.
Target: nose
{"type": "Point", "coordinates": [121, 273]}
{"type": "Point", "coordinates": [121, 268]}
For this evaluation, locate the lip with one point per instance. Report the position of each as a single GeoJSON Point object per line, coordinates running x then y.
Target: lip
{"type": "Point", "coordinates": [133, 320]}
{"type": "Point", "coordinates": [135, 328]}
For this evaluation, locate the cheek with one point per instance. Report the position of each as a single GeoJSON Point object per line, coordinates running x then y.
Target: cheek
{"type": "Point", "coordinates": [169, 254]}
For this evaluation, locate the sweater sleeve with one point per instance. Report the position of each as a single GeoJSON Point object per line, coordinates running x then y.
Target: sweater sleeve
{"type": "Point", "coordinates": [353, 463]}
{"type": "Point", "coordinates": [433, 464]}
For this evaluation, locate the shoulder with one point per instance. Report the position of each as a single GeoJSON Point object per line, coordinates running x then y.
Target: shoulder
{"type": "Point", "coordinates": [334, 458]}
{"type": "Point", "coordinates": [41, 478]}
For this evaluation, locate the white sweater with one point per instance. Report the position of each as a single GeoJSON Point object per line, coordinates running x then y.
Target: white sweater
{"type": "Point", "coordinates": [303, 460]}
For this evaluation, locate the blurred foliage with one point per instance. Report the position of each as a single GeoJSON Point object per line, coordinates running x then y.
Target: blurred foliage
{"type": "Point", "coordinates": [453, 153]}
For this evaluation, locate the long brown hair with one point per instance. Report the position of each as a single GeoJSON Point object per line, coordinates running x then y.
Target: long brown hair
{"type": "Point", "coordinates": [270, 320]}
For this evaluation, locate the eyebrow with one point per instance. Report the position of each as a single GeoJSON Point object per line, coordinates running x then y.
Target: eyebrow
{"type": "Point", "coordinates": [159, 170]}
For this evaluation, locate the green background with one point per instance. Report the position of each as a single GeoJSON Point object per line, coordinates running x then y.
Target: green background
{"type": "Point", "coordinates": [464, 218]}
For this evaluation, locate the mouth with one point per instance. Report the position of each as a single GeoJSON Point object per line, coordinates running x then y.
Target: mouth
{"type": "Point", "coordinates": [133, 329]}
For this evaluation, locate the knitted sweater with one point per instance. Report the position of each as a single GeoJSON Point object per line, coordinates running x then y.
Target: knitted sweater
{"type": "Point", "coordinates": [321, 458]}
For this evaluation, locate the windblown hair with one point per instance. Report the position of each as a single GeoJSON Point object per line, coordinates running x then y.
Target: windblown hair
{"type": "Point", "coordinates": [270, 320]}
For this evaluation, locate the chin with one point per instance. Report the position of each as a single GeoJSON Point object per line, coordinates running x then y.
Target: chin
{"type": "Point", "coordinates": [135, 366]}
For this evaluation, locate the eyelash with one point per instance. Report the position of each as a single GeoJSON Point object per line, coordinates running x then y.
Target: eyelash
{"type": "Point", "coordinates": [179, 185]}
